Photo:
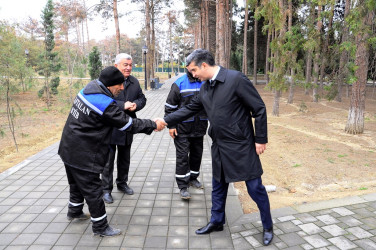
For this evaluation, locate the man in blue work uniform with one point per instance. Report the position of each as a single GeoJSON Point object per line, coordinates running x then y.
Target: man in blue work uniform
{"type": "Point", "coordinates": [188, 135]}
{"type": "Point", "coordinates": [84, 146]}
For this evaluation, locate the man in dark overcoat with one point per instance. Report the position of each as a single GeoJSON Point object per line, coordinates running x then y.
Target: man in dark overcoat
{"type": "Point", "coordinates": [230, 101]}
{"type": "Point", "coordinates": [131, 99]}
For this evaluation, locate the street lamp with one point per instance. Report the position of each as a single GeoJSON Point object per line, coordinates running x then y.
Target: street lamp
{"type": "Point", "coordinates": [145, 51]}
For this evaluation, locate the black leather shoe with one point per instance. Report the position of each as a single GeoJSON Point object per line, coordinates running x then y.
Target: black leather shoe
{"type": "Point", "coordinates": [267, 236]}
{"type": "Point", "coordinates": [109, 231]}
{"type": "Point", "coordinates": [210, 227]}
{"type": "Point", "coordinates": [107, 197]}
{"type": "Point", "coordinates": [196, 184]}
{"type": "Point", "coordinates": [126, 189]}
{"type": "Point", "coordinates": [78, 217]}
{"type": "Point", "coordinates": [184, 194]}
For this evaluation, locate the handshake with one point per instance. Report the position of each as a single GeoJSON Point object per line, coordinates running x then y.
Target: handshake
{"type": "Point", "coordinates": [161, 124]}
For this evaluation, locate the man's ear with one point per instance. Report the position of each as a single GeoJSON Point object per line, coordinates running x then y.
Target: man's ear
{"type": "Point", "coordinates": [204, 64]}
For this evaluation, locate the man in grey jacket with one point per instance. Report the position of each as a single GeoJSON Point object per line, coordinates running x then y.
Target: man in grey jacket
{"type": "Point", "coordinates": [131, 99]}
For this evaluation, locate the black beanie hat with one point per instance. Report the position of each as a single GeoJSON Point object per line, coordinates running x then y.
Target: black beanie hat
{"type": "Point", "coordinates": [111, 76]}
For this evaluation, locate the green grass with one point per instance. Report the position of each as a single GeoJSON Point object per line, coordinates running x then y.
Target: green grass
{"type": "Point", "coordinates": [330, 160]}
{"type": "Point", "coordinates": [341, 156]}
{"type": "Point", "coordinates": [363, 188]}
{"type": "Point", "coordinates": [297, 165]}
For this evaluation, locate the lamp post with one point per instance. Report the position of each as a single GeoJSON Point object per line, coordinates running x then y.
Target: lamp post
{"type": "Point", "coordinates": [145, 51]}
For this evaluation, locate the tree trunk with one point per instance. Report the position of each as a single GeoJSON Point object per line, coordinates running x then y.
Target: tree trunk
{"type": "Point", "coordinates": [355, 122]}
{"type": "Point", "coordinates": [245, 47]}
{"type": "Point", "coordinates": [255, 34]}
{"type": "Point", "coordinates": [148, 38]}
{"type": "Point", "coordinates": [317, 56]}
{"type": "Point", "coordinates": [151, 68]}
{"type": "Point", "coordinates": [220, 36]}
{"type": "Point", "coordinates": [324, 54]}
{"type": "Point", "coordinates": [290, 98]}
{"type": "Point", "coordinates": [308, 72]}
{"type": "Point", "coordinates": [342, 71]}
{"type": "Point", "coordinates": [116, 18]}
{"type": "Point", "coordinates": [9, 113]}
{"type": "Point", "coordinates": [277, 95]}
{"type": "Point", "coordinates": [267, 56]}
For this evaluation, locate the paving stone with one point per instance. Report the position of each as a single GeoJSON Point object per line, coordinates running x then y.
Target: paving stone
{"type": "Point", "coordinates": [310, 228]}
{"type": "Point", "coordinates": [327, 219]}
{"type": "Point", "coordinates": [342, 243]}
{"type": "Point", "coordinates": [288, 227]}
{"type": "Point", "coordinates": [334, 230]}
{"type": "Point", "coordinates": [67, 239]}
{"type": "Point", "coordinates": [342, 211]}
{"type": "Point", "coordinates": [316, 241]}
{"type": "Point", "coordinates": [47, 239]}
{"type": "Point", "coordinates": [292, 239]}
{"type": "Point", "coordinates": [177, 242]}
{"type": "Point", "coordinates": [157, 231]}
{"type": "Point", "coordinates": [365, 244]}
{"type": "Point", "coordinates": [359, 232]}
{"type": "Point", "coordinates": [156, 242]}
{"type": "Point", "coordinates": [25, 239]}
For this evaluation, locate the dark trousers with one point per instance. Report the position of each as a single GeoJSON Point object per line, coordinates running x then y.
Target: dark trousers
{"type": "Point", "coordinates": [88, 186]}
{"type": "Point", "coordinates": [188, 159]}
{"type": "Point", "coordinates": [123, 161]}
{"type": "Point", "coordinates": [257, 192]}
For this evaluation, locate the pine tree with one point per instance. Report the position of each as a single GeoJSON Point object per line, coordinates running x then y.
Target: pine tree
{"type": "Point", "coordinates": [95, 63]}
{"type": "Point", "coordinates": [49, 61]}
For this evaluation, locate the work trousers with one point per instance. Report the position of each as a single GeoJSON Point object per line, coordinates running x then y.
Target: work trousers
{"type": "Point", "coordinates": [188, 159]}
{"type": "Point", "coordinates": [123, 162]}
{"type": "Point", "coordinates": [86, 185]}
{"type": "Point", "coordinates": [257, 192]}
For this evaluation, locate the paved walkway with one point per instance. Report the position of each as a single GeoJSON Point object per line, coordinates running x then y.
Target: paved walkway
{"type": "Point", "coordinates": [34, 196]}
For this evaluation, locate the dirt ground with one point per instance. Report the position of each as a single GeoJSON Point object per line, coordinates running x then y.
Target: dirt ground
{"type": "Point", "coordinates": [309, 157]}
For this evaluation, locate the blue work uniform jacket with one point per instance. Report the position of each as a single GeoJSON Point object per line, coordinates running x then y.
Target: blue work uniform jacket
{"type": "Point", "coordinates": [87, 132]}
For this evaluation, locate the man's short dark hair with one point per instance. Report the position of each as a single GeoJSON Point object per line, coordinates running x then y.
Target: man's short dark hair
{"type": "Point", "coordinates": [199, 56]}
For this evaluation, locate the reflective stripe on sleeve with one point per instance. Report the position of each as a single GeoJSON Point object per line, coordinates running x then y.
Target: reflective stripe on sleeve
{"type": "Point", "coordinates": [189, 90]}
{"type": "Point", "coordinates": [89, 104]}
{"type": "Point", "coordinates": [171, 106]}
{"type": "Point", "coordinates": [194, 172]}
{"type": "Point", "coordinates": [126, 125]}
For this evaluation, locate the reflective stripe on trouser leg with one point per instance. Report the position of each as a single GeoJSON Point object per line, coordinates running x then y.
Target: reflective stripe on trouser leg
{"type": "Point", "coordinates": [258, 193]}
{"type": "Point", "coordinates": [182, 172]}
{"type": "Point", "coordinates": [90, 186]}
{"type": "Point", "coordinates": [196, 146]}
{"type": "Point", "coordinates": [219, 196]}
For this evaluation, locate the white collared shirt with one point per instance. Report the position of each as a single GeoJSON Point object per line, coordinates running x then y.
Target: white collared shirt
{"type": "Point", "coordinates": [215, 74]}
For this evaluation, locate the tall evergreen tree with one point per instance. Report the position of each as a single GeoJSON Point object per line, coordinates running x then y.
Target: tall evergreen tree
{"type": "Point", "coordinates": [49, 61]}
{"type": "Point", "coordinates": [95, 63]}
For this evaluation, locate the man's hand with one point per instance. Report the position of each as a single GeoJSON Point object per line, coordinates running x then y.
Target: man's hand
{"type": "Point", "coordinates": [260, 148]}
{"type": "Point", "coordinates": [134, 106]}
{"type": "Point", "coordinates": [161, 124]}
{"type": "Point", "coordinates": [173, 132]}
{"type": "Point", "coordinates": [128, 105]}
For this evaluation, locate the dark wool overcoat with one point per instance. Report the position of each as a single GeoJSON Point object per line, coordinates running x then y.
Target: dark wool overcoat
{"type": "Point", "coordinates": [132, 92]}
{"type": "Point", "coordinates": [230, 101]}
